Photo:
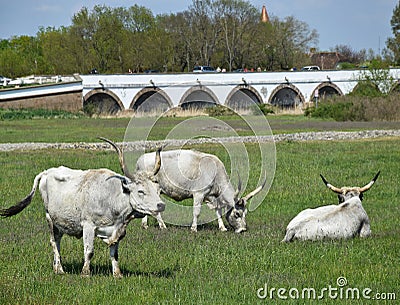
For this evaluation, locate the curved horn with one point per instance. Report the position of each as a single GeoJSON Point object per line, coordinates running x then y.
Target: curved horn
{"type": "Point", "coordinates": [124, 182]}
{"type": "Point", "coordinates": [255, 192]}
{"type": "Point", "coordinates": [330, 186]}
{"type": "Point", "coordinates": [123, 179]}
{"type": "Point", "coordinates": [368, 186]}
{"type": "Point", "coordinates": [120, 155]}
{"type": "Point", "coordinates": [239, 186]}
{"type": "Point", "coordinates": [157, 164]}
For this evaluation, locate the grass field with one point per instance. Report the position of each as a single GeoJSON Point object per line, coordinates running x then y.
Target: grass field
{"type": "Point", "coordinates": [84, 129]}
{"type": "Point", "coordinates": [210, 267]}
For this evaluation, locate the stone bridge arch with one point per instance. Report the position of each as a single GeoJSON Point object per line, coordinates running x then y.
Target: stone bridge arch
{"type": "Point", "coordinates": [102, 102]}
{"type": "Point", "coordinates": [151, 100]}
{"type": "Point", "coordinates": [286, 96]}
{"type": "Point", "coordinates": [198, 97]}
{"type": "Point", "coordinates": [326, 90]}
{"type": "Point", "coordinates": [243, 97]}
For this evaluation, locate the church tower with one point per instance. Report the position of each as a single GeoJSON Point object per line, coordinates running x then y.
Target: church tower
{"type": "Point", "coordinates": [264, 15]}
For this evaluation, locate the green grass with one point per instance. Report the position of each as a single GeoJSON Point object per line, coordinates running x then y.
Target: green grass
{"type": "Point", "coordinates": [83, 129]}
{"type": "Point", "coordinates": [211, 267]}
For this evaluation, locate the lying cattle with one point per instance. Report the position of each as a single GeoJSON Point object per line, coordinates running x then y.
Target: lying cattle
{"type": "Point", "coordinates": [92, 203]}
{"type": "Point", "coordinates": [186, 173]}
{"type": "Point", "coordinates": [345, 220]}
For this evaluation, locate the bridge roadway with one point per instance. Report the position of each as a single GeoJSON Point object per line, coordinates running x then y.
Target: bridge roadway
{"type": "Point", "coordinates": [158, 92]}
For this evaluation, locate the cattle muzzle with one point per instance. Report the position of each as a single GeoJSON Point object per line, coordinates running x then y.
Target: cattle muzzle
{"type": "Point", "coordinates": [160, 207]}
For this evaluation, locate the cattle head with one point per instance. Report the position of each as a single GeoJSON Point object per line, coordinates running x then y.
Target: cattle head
{"type": "Point", "coordinates": [345, 193]}
{"type": "Point", "coordinates": [236, 215]}
{"type": "Point", "coordinates": [144, 194]}
{"type": "Point", "coordinates": [142, 186]}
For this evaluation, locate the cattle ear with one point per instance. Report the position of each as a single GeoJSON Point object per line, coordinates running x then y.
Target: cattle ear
{"type": "Point", "coordinates": [341, 198]}
{"type": "Point", "coordinates": [124, 183]}
{"type": "Point", "coordinates": [240, 203]}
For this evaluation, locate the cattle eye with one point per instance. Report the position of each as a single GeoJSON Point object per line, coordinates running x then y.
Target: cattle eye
{"type": "Point", "coordinates": [238, 215]}
{"type": "Point", "coordinates": [141, 193]}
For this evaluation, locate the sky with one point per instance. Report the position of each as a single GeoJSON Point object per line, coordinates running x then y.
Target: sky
{"type": "Point", "coordinates": [360, 24]}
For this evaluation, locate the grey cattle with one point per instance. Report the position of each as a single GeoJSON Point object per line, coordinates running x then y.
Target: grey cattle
{"type": "Point", "coordinates": [92, 203]}
{"type": "Point", "coordinates": [345, 220]}
{"type": "Point", "coordinates": [187, 173]}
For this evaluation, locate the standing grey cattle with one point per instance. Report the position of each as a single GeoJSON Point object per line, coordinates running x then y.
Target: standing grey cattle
{"type": "Point", "coordinates": [345, 220]}
{"type": "Point", "coordinates": [186, 173]}
{"type": "Point", "coordinates": [92, 203]}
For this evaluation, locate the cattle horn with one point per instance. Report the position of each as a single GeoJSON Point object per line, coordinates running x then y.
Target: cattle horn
{"type": "Point", "coordinates": [330, 186]}
{"type": "Point", "coordinates": [123, 179]}
{"type": "Point", "coordinates": [239, 186]}
{"type": "Point", "coordinates": [255, 192]}
{"type": "Point", "coordinates": [120, 156]}
{"type": "Point", "coordinates": [368, 186]}
{"type": "Point", "coordinates": [157, 164]}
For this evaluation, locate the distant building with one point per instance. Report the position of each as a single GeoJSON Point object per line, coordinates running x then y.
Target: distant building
{"type": "Point", "coordinates": [264, 15]}
{"type": "Point", "coordinates": [326, 60]}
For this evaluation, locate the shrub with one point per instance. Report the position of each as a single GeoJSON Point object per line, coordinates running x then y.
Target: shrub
{"type": "Point", "coordinates": [358, 108]}
{"type": "Point", "coordinates": [18, 114]}
{"type": "Point", "coordinates": [264, 108]}
{"type": "Point", "coordinates": [219, 110]}
{"type": "Point", "coordinates": [338, 111]}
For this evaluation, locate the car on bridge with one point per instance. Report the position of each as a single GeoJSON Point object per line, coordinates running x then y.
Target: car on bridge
{"type": "Point", "coordinates": [310, 68]}
{"type": "Point", "coordinates": [204, 69]}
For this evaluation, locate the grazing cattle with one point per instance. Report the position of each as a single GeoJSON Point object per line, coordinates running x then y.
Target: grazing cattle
{"type": "Point", "coordinates": [92, 203]}
{"type": "Point", "coordinates": [186, 173]}
{"type": "Point", "coordinates": [345, 220]}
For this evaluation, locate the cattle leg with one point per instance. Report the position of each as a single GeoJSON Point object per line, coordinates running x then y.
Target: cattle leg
{"type": "Point", "coordinates": [365, 230]}
{"type": "Point", "coordinates": [197, 201]}
{"type": "Point", "coordinates": [289, 236]}
{"type": "Point", "coordinates": [88, 241]}
{"type": "Point", "coordinates": [114, 260]}
{"type": "Point", "coordinates": [161, 223]}
{"type": "Point", "coordinates": [144, 223]}
{"type": "Point", "coordinates": [220, 222]}
{"type": "Point", "coordinates": [55, 241]}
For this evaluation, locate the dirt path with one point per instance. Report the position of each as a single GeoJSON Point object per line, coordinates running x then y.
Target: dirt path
{"type": "Point", "coordinates": [302, 136]}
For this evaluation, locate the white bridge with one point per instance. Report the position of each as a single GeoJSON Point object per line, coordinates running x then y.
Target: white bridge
{"type": "Point", "coordinates": [158, 92]}
{"type": "Point", "coordinates": [154, 93]}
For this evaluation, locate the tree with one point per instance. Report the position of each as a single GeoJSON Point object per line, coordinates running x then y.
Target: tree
{"type": "Point", "coordinates": [22, 55]}
{"type": "Point", "coordinates": [288, 43]}
{"type": "Point", "coordinates": [238, 23]}
{"type": "Point", "coordinates": [393, 43]}
{"type": "Point", "coordinates": [347, 54]}
{"type": "Point", "coordinates": [225, 33]}
{"type": "Point", "coordinates": [55, 44]}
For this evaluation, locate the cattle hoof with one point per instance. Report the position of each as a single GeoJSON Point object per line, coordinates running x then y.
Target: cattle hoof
{"type": "Point", "coordinates": [59, 271]}
{"type": "Point", "coordinates": [118, 275]}
{"type": "Point", "coordinates": [145, 227]}
{"type": "Point", "coordinates": [193, 229]}
{"type": "Point", "coordinates": [223, 229]}
{"type": "Point", "coordinates": [85, 273]}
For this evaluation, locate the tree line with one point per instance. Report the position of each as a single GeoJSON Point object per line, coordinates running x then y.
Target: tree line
{"type": "Point", "coordinates": [224, 33]}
